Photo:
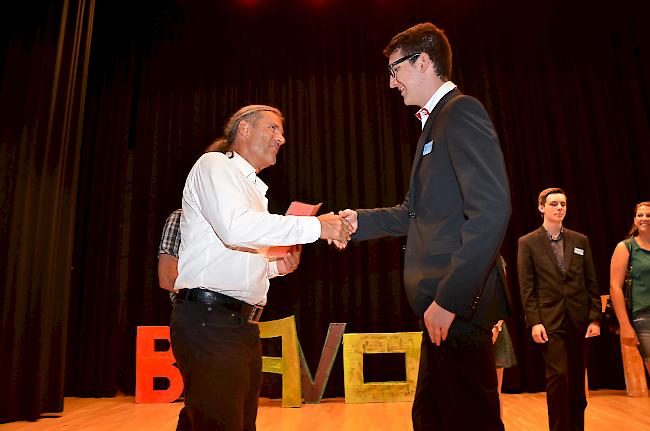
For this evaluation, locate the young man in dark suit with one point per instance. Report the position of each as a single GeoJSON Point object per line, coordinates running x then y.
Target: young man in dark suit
{"type": "Point", "coordinates": [562, 305]}
{"type": "Point", "coordinates": [454, 216]}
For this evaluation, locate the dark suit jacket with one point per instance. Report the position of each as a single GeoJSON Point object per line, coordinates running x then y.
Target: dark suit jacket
{"type": "Point", "coordinates": [546, 293]}
{"type": "Point", "coordinates": [455, 214]}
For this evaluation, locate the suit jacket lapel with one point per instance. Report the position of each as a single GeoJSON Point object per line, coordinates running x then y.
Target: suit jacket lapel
{"type": "Point", "coordinates": [426, 132]}
{"type": "Point", "coordinates": [544, 243]}
{"type": "Point", "coordinates": [420, 147]}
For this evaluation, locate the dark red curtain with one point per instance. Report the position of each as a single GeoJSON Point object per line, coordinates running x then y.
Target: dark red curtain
{"type": "Point", "coordinates": [46, 49]}
{"type": "Point", "coordinates": [566, 85]}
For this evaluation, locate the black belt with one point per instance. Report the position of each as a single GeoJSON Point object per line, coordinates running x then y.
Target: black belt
{"type": "Point", "coordinates": [208, 297]}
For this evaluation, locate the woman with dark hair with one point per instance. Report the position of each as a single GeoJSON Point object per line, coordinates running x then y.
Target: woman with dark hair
{"type": "Point", "coordinates": [631, 299]}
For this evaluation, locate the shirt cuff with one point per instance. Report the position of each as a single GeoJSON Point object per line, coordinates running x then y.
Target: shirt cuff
{"type": "Point", "coordinates": [311, 229]}
{"type": "Point", "coordinates": [272, 270]}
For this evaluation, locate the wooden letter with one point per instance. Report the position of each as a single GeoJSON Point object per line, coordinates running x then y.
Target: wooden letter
{"type": "Point", "coordinates": [150, 364]}
{"type": "Point", "coordinates": [288, 365]}
{"type": "Point", "coordinates": [312, 390]}
{"type": "Point", "coordinates": [356, 345]}
{"type": "Point", "coordinates": [635, 382]}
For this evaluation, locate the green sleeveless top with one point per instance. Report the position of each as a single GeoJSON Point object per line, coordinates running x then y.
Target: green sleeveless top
{"type": "Point", "coordinates": [640, 260]}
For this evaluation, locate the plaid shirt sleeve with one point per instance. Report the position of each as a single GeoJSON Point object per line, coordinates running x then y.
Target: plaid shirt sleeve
{"type": "Point", "coordinates": [170, 241]}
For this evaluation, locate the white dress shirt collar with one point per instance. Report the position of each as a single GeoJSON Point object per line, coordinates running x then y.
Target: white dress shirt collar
{"type": "Point", "coordinates": [248, 171]}
{"type": "Point", "coordinates": [427, 109]}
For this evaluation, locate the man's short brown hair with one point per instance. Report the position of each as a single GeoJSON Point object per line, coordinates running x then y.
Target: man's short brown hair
{"type": "Point", "coordinates": [550, 191]}
{"type": "Point", "coordinates": [428, 38]}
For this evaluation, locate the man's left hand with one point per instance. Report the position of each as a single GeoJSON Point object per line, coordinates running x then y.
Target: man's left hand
{"type": "Point", "coordinates": [438, 320]}
{"type": "Point", "coordinates": [593, 330]}
{"type": "Point", "coordinates": [290, 262]}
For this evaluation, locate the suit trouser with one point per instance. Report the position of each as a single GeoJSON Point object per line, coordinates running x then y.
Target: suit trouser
{"type": "Point", "coordinates": [219, 356]}
{"type": "Point", "coordinates": [457, 383]}
{"type": "Point", "coordinates": [564, 354]}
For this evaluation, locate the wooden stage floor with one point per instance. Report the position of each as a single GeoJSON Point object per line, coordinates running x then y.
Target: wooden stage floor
{"type": "Point", "coordinates": [607, 411]}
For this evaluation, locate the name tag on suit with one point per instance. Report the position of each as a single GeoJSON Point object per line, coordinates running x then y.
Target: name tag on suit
{"type": "Point", "coordinates": [427, 148]}
{"type": "Point", "coordinates": [579, 251]}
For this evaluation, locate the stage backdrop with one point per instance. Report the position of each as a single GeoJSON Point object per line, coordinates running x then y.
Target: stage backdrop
{"type": "Point", "coordinates": [565, 83]}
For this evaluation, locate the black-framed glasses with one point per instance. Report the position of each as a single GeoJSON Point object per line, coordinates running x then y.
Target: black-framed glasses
{"type": "Point", "coordinates": [391, 67]}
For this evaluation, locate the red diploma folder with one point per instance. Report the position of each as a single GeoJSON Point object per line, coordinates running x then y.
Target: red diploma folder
{"type": "Point", "coordinates": [296, 209]}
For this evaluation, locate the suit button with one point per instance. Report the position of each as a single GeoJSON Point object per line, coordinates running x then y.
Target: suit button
{"type": "Point", "coordinates": [403, 248]}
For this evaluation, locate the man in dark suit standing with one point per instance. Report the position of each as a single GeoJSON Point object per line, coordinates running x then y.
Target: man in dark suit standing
{"type": "Point", "coordinates": [454, 216]}
{"type": "Point", "coordinates": [562, 306]}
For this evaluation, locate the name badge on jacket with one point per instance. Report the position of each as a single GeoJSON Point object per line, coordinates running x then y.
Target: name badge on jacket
{"type": "Point", "coordinates": [579, 251]}
{"type": "Point", "coordinates": [427, 148]}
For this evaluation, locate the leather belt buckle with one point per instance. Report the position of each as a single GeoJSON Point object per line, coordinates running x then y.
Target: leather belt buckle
{"type": "Point", "coordinates": [255, 314]}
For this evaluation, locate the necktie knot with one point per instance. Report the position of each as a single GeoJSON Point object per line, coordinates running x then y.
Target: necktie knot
{"type": "Point", "coordinates": [422, 114]}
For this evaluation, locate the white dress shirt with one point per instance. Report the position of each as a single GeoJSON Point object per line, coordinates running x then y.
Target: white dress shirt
{"type": "Point", "coordinates": [427, 109]}
{"type": "Point", "coordinates": [226, 229]}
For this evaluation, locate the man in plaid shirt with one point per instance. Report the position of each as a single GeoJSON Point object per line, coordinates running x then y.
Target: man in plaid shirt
{"type": "Point", "coordinates": [170, 242]}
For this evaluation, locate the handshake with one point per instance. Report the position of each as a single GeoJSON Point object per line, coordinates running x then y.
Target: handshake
{"type": "Point", "coordinates": [335, 228]}
{"type": "Point", "coordinates": [338, 228]}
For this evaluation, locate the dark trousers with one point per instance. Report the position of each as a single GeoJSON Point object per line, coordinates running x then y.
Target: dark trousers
{"type": "Point", "coordinates": [183, 423]}
{"type": "Point", "coordinates": [457, 383]}
{"type": "Point", "coordinates": [219, 356]}
{"type": "Point", "coordinates": [564, 354]}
